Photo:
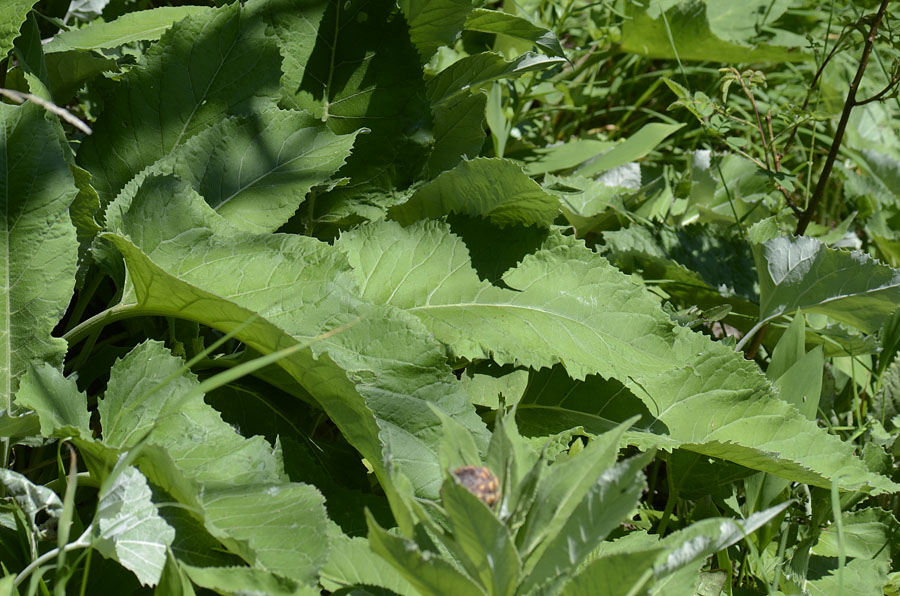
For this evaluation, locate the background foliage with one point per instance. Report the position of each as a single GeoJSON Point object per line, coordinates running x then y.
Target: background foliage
{"type": "Point", "coordinates": [281, 276]}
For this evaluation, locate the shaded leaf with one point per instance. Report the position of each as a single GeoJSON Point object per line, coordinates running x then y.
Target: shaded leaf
{"type": "Point", "coordinates": [38, 257]}
{"type": "Point", "coordinates": [434, 23]}
{"type": "Point", "coordinates": [495, 21]}
{"type": "Point", "coordinates": [472, 71]}
{"type": "Point", "coordinates": [32, 499]}
{"type": "Point", "coordinates": [128, 528]}
{"type": "Point", "coordinates": [208, 66]}
{"type": "Point", "coordinates": [256, 170]}
{"type": "Point", "coordinates": [496, 189]}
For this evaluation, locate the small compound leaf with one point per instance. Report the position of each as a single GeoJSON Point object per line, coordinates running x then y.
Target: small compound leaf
{"type": "Point", "coordinates": [128, 528]}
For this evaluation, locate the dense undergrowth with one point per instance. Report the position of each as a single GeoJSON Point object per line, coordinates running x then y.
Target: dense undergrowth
{"type": "Point", "coordinates": [442, 297]}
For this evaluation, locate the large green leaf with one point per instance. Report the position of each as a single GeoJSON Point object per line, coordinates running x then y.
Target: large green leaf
{"type": "Point", "coordinates": [352, 563]}
{"type": "Point", "coordinates": [568, 305]}
{"type": "Point", "coordinates": [134, 26]}
{"type": "Point", "coordinates": [378, 379]}
{"type": "Point", "coordinates": [245, 580]}
{"type": "Point", "coordinates": [363, 72]}
{"type": "Point", "coordinates": [849, 287]}
{"type": "Point", "coordinates": [205, 447]}
{"type": "Point", "coordinates": [646, 32]}
{"type": "Point", "coordinates": [38, 250]}
{"type": "Point", "coordinates": [496, 189]}
{"type": "Point", "coordinates": [256, 170]}
{"type": "Point", "coordinates": [204, 68]}
{"type": "Point", "coordinates": [12, 14]}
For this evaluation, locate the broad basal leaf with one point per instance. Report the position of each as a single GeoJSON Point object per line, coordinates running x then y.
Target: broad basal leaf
{"type": "Point", "coordinates": [206, 67]}
{"type": "Point", "coordinates": [568, 305]}
{"type": "Point", "coordinates": [245, 580]}
{"type": "Point", "coordinates": [255, 171]}
{"type": "Point", "coordinates": [280, 527]}
{"type": "Point", "coordinates": [205, 447]}
{"type": "Point", "coordinates": [378, 377]}
{"type": "Point", "coordinates": [849, 287]}
{"type": "Point", "coordinates": [38, 248]}
{"type": "Point", "coordinates": [496, 189]}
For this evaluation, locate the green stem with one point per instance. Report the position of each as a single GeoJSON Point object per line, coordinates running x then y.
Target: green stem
{"type": "Point", "coordinates": [749, 335]}
{"type": "Point", "coordinates": [47, 556]}
{"type": "Point", "coordinates": [102, 319]}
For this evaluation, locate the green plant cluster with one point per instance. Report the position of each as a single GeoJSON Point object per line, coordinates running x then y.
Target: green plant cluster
{"type": "Point", "coordinates": [439, 297]}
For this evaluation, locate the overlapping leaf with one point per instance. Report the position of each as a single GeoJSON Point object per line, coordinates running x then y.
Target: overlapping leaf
{"type": "Point", "coordinates": [256, 170]}
{"type": "Point", "coordinates": [568, 305]}
{"type": "Point", "coordinates": [849, 287]}
{"type": "Point", "coordinates": [433, 23]}
{"type": "Point", "coordinates": [206, 67]}
{"type": "Point", "coordinates": [134, 26]}
{"type": "Point", "coordinates": [192, 264]}
{"type": "Point", "coordinates": [12, 15]}
{"type": "Point", "coordinates": [496, 189]}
